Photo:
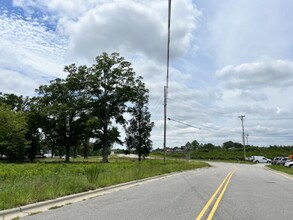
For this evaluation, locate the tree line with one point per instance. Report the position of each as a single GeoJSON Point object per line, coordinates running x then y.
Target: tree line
{"type": "Point", "coordinates": [82, 111]}
{"type": "Point", "coordinates": [228, 150]}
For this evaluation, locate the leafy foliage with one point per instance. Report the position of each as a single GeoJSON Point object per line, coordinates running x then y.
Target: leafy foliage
{"type": "Point", "coordinates": [13, 128]}
{"type": "Point", "coordinates": [27, 183]}
{"type": "Point", "coordinates": [67, 113]}
{"type": "Point", "coordinates": [138, 131]}
{"type": "Point", "coordinates": [111, 84]}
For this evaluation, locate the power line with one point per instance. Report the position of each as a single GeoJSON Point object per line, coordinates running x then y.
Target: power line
{"type": "Point", "coordinates": [171, 119]}
{"type": "Point", "coordinates": [157, 106]}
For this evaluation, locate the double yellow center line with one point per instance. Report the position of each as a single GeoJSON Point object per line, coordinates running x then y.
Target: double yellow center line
{"type": "Point", "coordinates": [220, 191]}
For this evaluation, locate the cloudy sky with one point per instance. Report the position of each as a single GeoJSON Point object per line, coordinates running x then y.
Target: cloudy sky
{"type": "Point", "coordinates": [228, 58]}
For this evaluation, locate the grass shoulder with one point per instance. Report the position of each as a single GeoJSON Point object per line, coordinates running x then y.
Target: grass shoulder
{"type": "Point", "coordinates": [281, 169]}
{"type": "Point", "coordinates": [27, 183]}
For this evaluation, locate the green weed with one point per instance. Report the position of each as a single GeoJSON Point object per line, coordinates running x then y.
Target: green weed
{"type": "Point", "coordinates": [281, 169]}
{"type": "Point", "coordinates": [92, 173]}
{"type": "Point", "coordinates": [21, 184]}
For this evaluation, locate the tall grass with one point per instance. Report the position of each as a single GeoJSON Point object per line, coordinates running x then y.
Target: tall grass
{"type": "Point", "coordinates": [22, 184]}
{"type": "Point", "coordinates": [92, 173]}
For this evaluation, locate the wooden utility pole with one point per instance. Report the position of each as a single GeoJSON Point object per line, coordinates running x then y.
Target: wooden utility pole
{"type": "Point", "coordinates": [243, 138]}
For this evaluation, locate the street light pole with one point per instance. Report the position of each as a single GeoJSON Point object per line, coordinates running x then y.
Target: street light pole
{"type": "Point", "coordinates": [165, 120]}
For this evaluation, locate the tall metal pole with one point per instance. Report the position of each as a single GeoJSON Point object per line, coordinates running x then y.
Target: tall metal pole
{"type": "Point", "coordinates": [243, 138]}
{"type": "Point", "coordinates": [167, 80]}
{"type": "Point", "coordinates": [165, 120]}
{"type": "Point", "coordinates": [168, 44]}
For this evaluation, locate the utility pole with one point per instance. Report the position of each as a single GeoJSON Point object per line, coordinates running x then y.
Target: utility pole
{"type": "Point", "coordinates": [243, 138]}
{"type": "Point", "coordinates": [247, 138]}
{"type": "Point", "coordinates": [167, 79]}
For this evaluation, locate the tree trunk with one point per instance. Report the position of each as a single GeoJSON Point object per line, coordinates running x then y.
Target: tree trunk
{"type": "Point", "coordinates": [105, 145]}
{"type": "Point", "coordinates": [139, 157]}
{"type": "Point", "coordinates": [67, 160]}
{"type": "Point", "coordinates": [75, 151]}
{"type": "Point", "coordinates": [105, 155]}
{"type": "Point", "coordinates": [68, 138]}
{"type": "Point", "coordinates": [52, 150]}
{"type": "Point", "coordinates": [106, 138]}
{"type": "Point", "coordinates": [86, 148]}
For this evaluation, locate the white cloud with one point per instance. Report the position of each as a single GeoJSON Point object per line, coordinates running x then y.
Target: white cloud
{"type": "Point", "coordinates": [126, 26]}
{"type": "Point", "coordinates": [17, 83]}
{"type": "Point", "coordinates": [27, 48]}
{"type": "Point", "coordinates": [261, 74]}
{"type": "Point", "coordinates": [142, 31]}
{"type": "Point", "coordinates": [250, 95]}
{"type": "Point", "coordinates": [242, 31]}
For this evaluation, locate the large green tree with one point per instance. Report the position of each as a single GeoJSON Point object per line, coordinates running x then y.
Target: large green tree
{"type": "Point", "coordinates": [36, 121]}
{"type": "Point", "coordinates": [231, 144]}
{"type": "Point", "coordinates": [88, 104]}
{"type": "Point", "coordinates": [111, 84]}
{"type": "Point", "coordinates": [81, 127]}
{"type": "Point", "coordinates": [138, 131]}
{"type": "Point", "coordinates": [194, 145]}
{"type": "Point", "coordinates": [13, 127]}
{"type": "Point", "coordinates": [63, 105]}
{"type": "Point", "coordinates": [15, 102]}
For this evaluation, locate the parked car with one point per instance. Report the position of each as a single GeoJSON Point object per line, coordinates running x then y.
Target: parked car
{"type": "Point", "coordinates": [289, 164]}
{"type": "Point", "coordinates": [276, 159]}
{"type": "Point", "coordinates": [282, 161]}
{"type": "Point", "coordinates": [252, 158]}
{"type": "Point", "coordinates": [261, 159]}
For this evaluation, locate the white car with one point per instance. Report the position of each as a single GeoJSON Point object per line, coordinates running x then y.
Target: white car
{"type": "Point", "coordinates": [261, 159]}
{"type": "Point", "coordinates": [289, 164]}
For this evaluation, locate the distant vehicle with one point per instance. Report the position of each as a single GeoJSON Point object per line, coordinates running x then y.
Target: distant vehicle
{"type": "Point", "coordinates": [289, 164]}
{"type": "Point", "coordinates": [261, 159]}
{"type": "Point", "coordinates": [251, 159]}
{"type": "Point", "coordinates": [276, 159]}
{"type": "Point", "coordinates": [282, 161]}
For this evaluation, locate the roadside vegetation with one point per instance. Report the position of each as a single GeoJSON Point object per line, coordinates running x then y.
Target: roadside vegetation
{"type": "Point", "coordinates": [281, 169]}
{"type": "Point", "coordinates": [78, 114]}
{"type": "Point", "coordinates": [211, 152]}
{"type": "Point", "coordinates": [26, 183]}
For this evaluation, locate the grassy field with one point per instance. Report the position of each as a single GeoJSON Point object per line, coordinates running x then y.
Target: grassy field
{"type": "Point", "coordinates": [22, 184]}
{"type": "Point", "coordinates": [282, 169]}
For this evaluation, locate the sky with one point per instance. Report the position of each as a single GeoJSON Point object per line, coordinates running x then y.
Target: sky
{"type": "Point", "coordinates": [227, 58]}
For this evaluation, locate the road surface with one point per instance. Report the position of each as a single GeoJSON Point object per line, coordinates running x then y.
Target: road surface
{"type": "Point", "coordinates": [224, 191]}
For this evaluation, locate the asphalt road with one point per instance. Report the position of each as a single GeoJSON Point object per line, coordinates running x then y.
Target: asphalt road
{"type": "Point", "coordinates": [244, 192]}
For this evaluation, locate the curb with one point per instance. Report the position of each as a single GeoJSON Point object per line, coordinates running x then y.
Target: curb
{"type": "Point", "coordinates": [279, 173]}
